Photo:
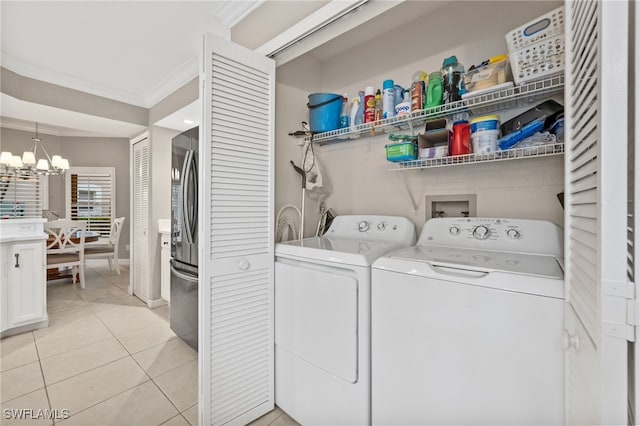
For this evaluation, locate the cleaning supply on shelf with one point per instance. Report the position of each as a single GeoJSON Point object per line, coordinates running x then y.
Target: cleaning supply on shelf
{"type": "Point", "coordinates": [460, 143]}
{"type": "Point", "coordinates": [417, 91]}
{"type": "Point", "coordinates": [404, 107]}
{"type": "Point", "coordinates": [388, 99]}
{"type": "Point", "coordinates": [324, 112]}
{"type": "Point", "coordinates": [360, 114]}
{"type": "Point", "coordinates": [485, 132]}
{"type": "Point", "coordinates": [434, 90]}
{"type": "Point", "coordinates": [344, 115]}
{"type": "Point", "coordinates": [489, 73]}
{"type": "Point", "coordinates": [403, 148]}
{"type": "Point", "coordinates": [369, 105]}
{"type": "Point", "coordinates": [452, 72]}
{"type": "Point", "coordinates": [355, 107]}
{"type": "Point", "coordinates": [378, 105]}
{"type": "Point", "coordinates": [398, 95]}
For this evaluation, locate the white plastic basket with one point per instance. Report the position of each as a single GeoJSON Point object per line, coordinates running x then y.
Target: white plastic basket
{"type": "Point", "coordinates": [536, 49]}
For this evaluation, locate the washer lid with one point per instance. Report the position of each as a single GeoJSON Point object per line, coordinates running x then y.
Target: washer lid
{"type": "Point", "coordinates": [338, 250]}
{"type": "Point", "coordinates": [526, 273]}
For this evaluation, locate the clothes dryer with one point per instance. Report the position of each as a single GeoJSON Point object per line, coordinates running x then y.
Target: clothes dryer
{"type": "Point", "coordinates": [322, 318]}
{"type": "Point", "coordinates": [467, 325]}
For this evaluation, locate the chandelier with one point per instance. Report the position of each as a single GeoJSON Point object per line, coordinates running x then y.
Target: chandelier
{"type": "Point", "coordinates": [28, 166]}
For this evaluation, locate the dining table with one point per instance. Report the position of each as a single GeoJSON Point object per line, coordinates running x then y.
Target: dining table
{"type": "Point", "coordinates": [58, 273]}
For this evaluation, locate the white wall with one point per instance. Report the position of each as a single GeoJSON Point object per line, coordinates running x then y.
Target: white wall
{"type": "Point", "coordinates": [160, 200]}
{"type": "Point", "coordinates": [358, 170]}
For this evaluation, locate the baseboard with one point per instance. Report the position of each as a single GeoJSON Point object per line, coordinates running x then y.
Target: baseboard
{"type": "Point", "coordinates": [156, 303]}
{"type": "Point", "coordinates": [25, 328]}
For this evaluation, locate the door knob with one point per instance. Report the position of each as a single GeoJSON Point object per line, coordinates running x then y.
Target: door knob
{"type": "Point", "coordinates": [243, 265]}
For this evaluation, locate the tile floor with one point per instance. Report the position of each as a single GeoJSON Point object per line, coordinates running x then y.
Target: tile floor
{"type": "Point", "coordinates": [106, 358]}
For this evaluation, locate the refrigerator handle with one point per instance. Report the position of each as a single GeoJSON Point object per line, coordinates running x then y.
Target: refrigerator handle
{"type": "Point", "coordinates": [193, 220]}
{"type": "Point", "coordinates": [186, 167]}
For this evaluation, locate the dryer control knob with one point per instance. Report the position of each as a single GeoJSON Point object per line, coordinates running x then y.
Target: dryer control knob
{"type": "Point", "coordinates": [364, 226]}
{"type": "Point", "coordinates": [454, 230]}
{"type": "Point", "coordinates": [514, 234]}
{"type": "Point", "coordinates": [382, 226]}
{"type": "Point", "coordinates": [481, 232]}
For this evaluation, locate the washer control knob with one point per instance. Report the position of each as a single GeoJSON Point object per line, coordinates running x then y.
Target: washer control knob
{"type": "Point", "coordinates": [481, 232]}
{"type": "Point", "coordinates": [514, 234]}
{"type": "Point", "coordinates": [454, 230]}
{"type": "Point", "coordinates": [382, 226]}
{"type": "Point", "coordinates": [364, 226]}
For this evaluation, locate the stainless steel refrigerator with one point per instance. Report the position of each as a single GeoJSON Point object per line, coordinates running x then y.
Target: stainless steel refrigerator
{"type": "Point", "coordinates": [183, 308]}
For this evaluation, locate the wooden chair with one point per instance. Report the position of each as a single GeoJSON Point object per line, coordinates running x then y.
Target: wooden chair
{"type": "Point", "coordinates": [65, 246]}
{"type": "Point", "coordinates": [107, 251]}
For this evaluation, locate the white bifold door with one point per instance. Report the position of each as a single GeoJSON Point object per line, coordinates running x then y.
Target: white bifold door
{"type": "Point", "coordinates": [139, 280]}
{"type": "Point", "coordinates": [236, 238]}
{"type": "Point", "coordinates": [599, 218]}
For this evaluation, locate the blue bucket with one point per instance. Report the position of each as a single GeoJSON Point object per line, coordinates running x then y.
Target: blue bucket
{"type": "Point", "coordinates": [324, 112]}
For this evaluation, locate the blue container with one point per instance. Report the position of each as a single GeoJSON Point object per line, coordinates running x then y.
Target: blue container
{"type": "Point", "coordinates": [324, 112]}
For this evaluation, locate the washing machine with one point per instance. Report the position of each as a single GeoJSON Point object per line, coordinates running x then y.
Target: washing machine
{"type": "Point", "coordinates": [322, 318]}
{"type": "Point", "coordinates": [467, 326]}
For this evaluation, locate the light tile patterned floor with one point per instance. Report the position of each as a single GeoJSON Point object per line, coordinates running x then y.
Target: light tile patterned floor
{"type": "Point", "coordinates": [106, 358]}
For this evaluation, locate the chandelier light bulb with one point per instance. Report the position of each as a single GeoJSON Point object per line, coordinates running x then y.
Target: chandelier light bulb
{"type": "Point", "coordinates": [55, 161]}
{"type": "Point", "coordinates": [28, 158]}
{"type": "Point", "coordinates": [42, 165]}
{"type": "Point", "coordinates": [6, 157]}
{"type": "Point", "coordinates": [64, 164]}
{"type": "Point", "coordinates": [16, 162]}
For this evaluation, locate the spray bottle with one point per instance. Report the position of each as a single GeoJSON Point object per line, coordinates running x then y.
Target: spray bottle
{"type": "Point", "coordinates": [355, 107]}
{"type": "Point", "coordinates": [344, 114]}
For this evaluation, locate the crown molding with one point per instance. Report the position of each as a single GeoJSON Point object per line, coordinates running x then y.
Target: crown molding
{"type": "Point", "coordinates": [93, 88]}
{"type": "Point", "coordinates": [178, 78]}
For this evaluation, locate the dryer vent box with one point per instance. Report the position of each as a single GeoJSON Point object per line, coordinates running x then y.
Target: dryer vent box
{"type": "Point", "coordinates": [462, 205]}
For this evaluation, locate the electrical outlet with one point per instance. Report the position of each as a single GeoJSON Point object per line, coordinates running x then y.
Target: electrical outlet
{"type": "Point", "coordinates": [127, 247]}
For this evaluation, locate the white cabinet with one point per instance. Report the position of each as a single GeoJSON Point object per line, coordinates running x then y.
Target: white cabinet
{"type": "Point", "coordinates": [22, 276]}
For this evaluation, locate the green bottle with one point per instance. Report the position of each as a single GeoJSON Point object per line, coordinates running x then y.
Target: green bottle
{"type": "Point", "coordinates": [434, 90]}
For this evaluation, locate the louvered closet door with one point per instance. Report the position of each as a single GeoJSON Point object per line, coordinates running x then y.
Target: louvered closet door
{"type": "Point", "coordinates": [596, 212]}
{"type": "Point", "coordinates": [236, 211]}
{"type": "Point", "coordinates": [140, 244]}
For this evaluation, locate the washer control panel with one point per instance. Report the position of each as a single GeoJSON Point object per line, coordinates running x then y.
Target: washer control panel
{"type": "Point", "coordinates": [372, 228]}
{"type": "Point", "coordinates": [517, 235]}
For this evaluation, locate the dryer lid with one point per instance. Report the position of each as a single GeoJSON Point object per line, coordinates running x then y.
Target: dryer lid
{"type": "Point", "coordinates": [337, 250]}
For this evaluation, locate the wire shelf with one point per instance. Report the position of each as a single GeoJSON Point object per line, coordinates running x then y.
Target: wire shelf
{"type": "Point", "coordinates": [513, 97]}
{"type": "Point", "coordinates": [509, 154]}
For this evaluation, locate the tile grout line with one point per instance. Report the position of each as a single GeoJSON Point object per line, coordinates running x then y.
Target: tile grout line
{"type": "Point", "coordinates": [145, 371]}
{"type": "Point", "coordinates": [44, 383]}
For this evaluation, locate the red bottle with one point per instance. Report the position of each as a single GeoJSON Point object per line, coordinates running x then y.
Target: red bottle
{"type": "Point", "coordinates": [369, 105]}
{"type": "Point", "coordinates": [460, 143]}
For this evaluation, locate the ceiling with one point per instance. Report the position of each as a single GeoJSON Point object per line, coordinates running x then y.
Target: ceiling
{"type": "Point", "coordinates": [136, 52]}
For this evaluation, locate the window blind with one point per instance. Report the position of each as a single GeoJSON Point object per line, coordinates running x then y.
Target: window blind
{"type": "Point", "coordinates": [92, 200]}
{"type": "Point", "coordinates": [21, 197]}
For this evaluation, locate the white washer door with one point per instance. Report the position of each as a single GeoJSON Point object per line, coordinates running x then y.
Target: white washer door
{"type": "Point", "coordinates": [316, 312]}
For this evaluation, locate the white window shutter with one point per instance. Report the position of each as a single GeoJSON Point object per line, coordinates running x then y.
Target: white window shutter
{"type": "Point", "coordinates": [236, 211]}
{"type": "Point", "coordinates": [596, 207]}
{"type": "Point", "coordinates": [21, 197]}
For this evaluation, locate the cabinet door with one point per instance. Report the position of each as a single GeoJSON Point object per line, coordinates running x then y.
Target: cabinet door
{"type": "Point", "coordinates": [26, 284]}
{"type": "Point", "coordinates": [140, 211]}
